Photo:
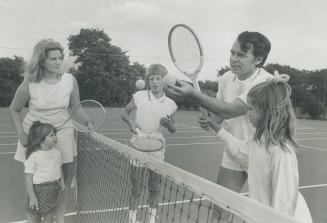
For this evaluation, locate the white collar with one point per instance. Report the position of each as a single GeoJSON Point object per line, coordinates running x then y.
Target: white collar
{"type": "Point", "coordinates": [151, 96]}
{"type": "Point", "coordinates": [249, 79]}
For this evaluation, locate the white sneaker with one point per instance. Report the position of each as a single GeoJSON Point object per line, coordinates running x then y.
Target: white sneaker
{"type": "Point", "coordinates": [152, 215]}
{"type": "Point", "coordinates": [132, 216]}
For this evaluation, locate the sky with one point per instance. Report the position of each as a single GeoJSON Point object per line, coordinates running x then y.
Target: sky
{"type": "Point", "coordinates": [297, 29]}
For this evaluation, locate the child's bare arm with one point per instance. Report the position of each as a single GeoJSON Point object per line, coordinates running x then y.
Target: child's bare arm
{"type": "Point", "coordinates": [62, 180]}
{"type": "Point", "coordinates": [125, 115]}
{"type": "Point", "coordinates": [30, 191]}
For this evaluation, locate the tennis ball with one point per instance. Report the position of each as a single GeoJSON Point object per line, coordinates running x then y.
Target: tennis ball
{"type": "Point", "coordinates": [170, 80]}
{"type": "Point", "coordinates": [140, 84]}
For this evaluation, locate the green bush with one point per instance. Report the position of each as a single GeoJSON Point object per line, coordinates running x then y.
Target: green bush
{"type": "Point", "coordinates": [314, 108]}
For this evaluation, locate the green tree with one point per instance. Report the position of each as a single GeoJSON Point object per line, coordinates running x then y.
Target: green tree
{"type": "Point", "coordinates": [10, 77]}
{"type": "Point", "coordinates": [209, 87]}
{"type": "Point", "coordinates": [313, 107]}
{"type": "Point", "coordinates": [318, 80]}
{"type": "Point", "coordinates": [299, 81]}
{"type": "Point", "coordinates": [103, 68]}
{"type": "Point", "coordinates": [308, 88]}
{"type": "Point", "coordinates": [222, 70]}
{"type": "Point", "coordinates": [136, 71]}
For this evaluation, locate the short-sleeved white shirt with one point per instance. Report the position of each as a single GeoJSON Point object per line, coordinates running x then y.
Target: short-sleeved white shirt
{"type": "Point", "coordinates": [230, 88]}
{"type": "Point", "coordinates": [260, 76]}
{"type": "Point", "coordinates": [149, 110]}
{"type": "Point", "coordinates": [44, 165]}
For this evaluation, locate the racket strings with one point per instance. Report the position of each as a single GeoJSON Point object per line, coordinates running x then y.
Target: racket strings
{"type": "Point", "coordinates": [146, 143]}
{"type": "Point", "coordinates": [186, 50]}
{"type": "Point", "coordinates": [88, 110]}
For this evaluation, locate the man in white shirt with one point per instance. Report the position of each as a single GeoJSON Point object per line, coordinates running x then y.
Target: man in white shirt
{"type": "Point", "coordinates": [248, 54]}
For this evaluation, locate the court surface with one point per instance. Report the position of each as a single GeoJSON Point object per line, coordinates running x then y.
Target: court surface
{"type": "Point", "coordinates": [189, 148]}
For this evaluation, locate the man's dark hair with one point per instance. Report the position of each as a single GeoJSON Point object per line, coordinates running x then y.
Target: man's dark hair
{"type": "Point", "coordinates": [261, 44]}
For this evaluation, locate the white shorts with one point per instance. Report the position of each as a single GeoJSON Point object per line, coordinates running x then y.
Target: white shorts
{"type": "Point", "coordinates": [229, 163]}
{"type": "Point", "coordinates": [66, 145]}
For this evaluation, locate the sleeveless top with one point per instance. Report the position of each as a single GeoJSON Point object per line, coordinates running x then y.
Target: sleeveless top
{"type": "Point", "coordinates": [49, 102]}
{"type": "Point", "coordinates": [150, 110]}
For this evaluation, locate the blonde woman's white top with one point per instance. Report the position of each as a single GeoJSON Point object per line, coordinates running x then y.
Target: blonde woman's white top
{"type": "Point", "coordinates": [49, 102]}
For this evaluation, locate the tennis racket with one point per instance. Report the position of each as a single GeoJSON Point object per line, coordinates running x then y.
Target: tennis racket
{"type": "Point", "coordinates": [152, 142]}
{"type": "Point", "coordinates": [87, 116]}
{"type": "Point", "coordinates": [186, 52]}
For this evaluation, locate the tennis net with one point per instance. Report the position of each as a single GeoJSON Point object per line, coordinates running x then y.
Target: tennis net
{"type": "Point", "coordinates": [106, 169]}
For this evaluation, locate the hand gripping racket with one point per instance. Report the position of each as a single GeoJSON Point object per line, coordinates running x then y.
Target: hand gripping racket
{"type": "Point", "coordinates": [87, 116]}
{"type": "Point", "coordinates": [186, 52]}
{"type": "Point", "coordinates": [152, 142]}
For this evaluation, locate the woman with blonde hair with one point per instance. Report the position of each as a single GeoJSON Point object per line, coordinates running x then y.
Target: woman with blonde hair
{"type": "Point", "coordinates": [49, 93]}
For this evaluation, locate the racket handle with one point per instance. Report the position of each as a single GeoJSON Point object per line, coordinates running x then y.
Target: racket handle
{"type": "Point", "coordinates": [138, 131]}
{"type": "Point", "coordinates": [204, 112]}
{"type": "Point", "coordinates": [197, 87]}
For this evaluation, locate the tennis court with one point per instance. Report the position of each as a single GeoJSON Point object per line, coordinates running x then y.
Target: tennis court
{"type": "Point", "coordinates": [189, 148]}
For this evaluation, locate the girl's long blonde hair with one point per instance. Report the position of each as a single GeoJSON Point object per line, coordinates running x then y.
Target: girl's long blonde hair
{"type": "Point", "coordinates": [34, 71]}
{"type": "Point", "coordinates": [276, 119]}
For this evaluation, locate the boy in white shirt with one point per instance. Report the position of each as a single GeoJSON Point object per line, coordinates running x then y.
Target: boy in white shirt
{"type": "Point", "coordinates": [154, 112]}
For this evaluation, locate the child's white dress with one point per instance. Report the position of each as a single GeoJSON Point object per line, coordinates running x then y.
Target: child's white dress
{"type": "Point", "coordinates": [273, 175]}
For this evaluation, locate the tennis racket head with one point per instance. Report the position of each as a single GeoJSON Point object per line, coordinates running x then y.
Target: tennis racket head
{"type": "Point", "coordinates": [148, 142]}
{"type": "Point", "coordinates": [88, 116]}
{"type": "Point", "coordinates": [185, 50]}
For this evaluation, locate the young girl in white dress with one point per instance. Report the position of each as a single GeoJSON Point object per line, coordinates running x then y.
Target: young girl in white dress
{"type": "Point", "coordinates": [270, 156]}
{"type": "Point", "coordinates": [43, 173]}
